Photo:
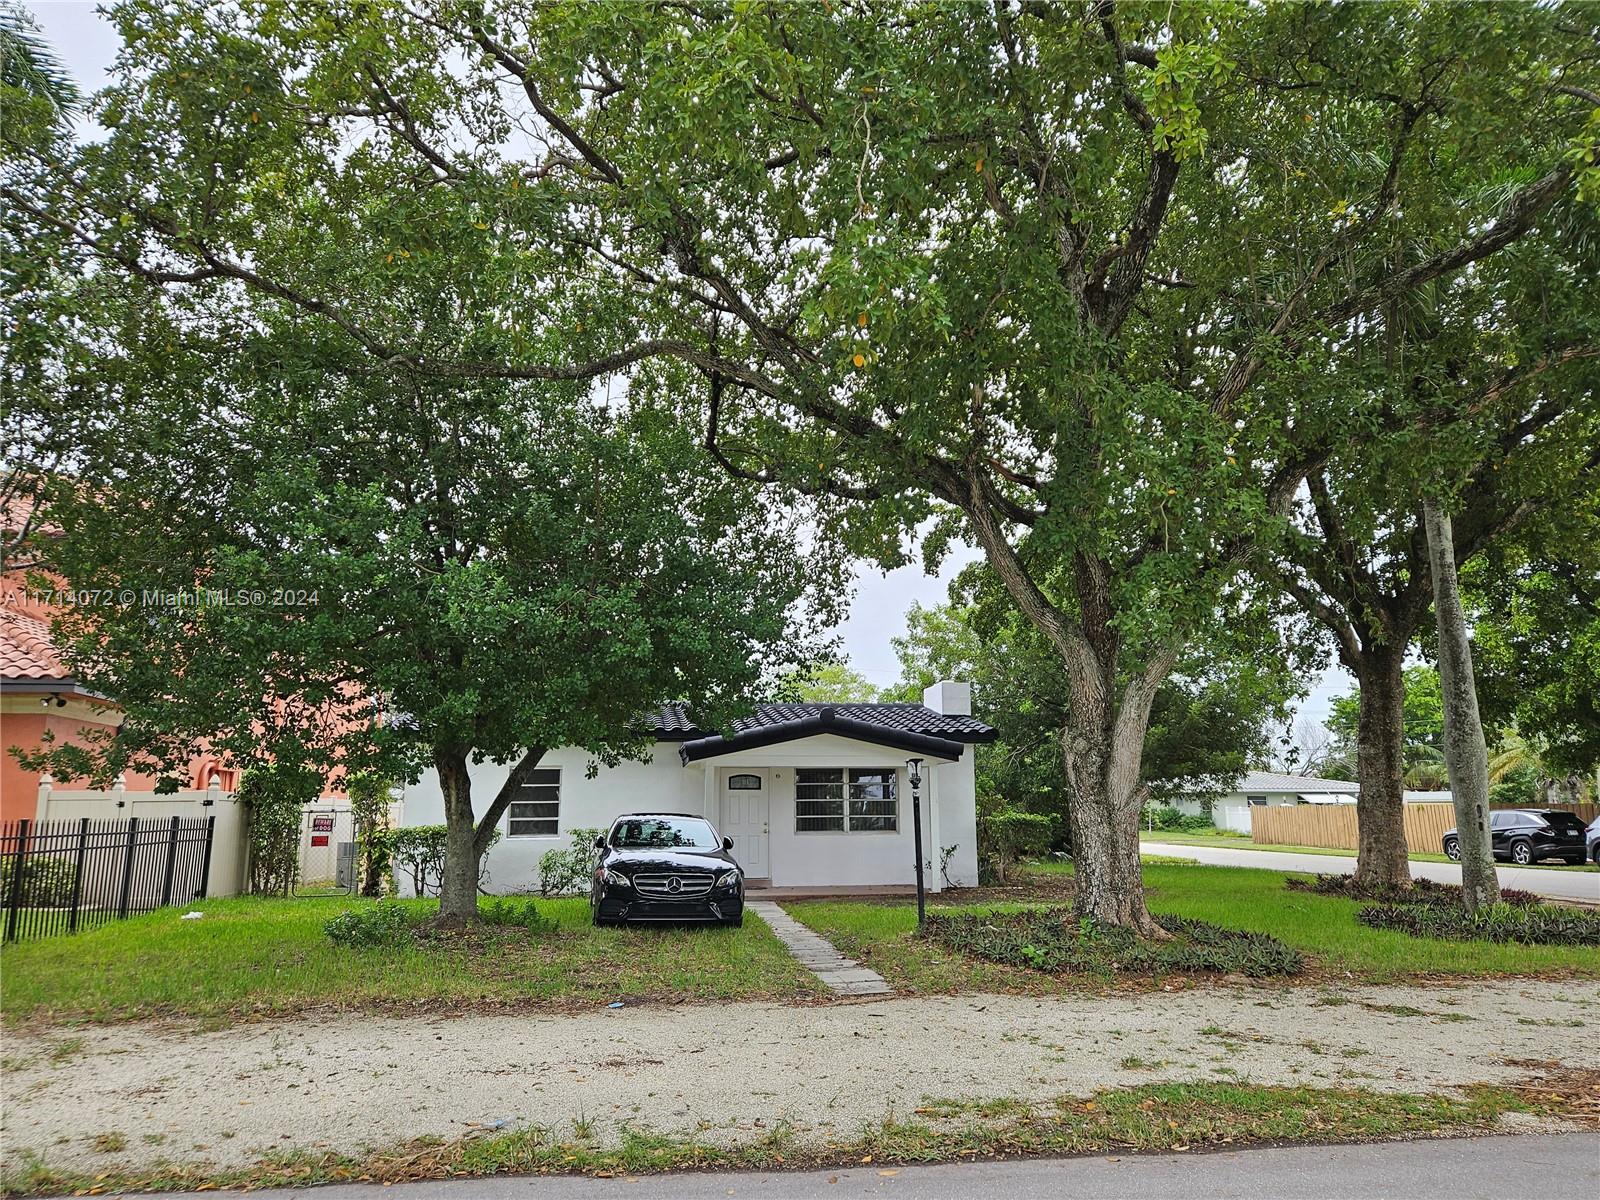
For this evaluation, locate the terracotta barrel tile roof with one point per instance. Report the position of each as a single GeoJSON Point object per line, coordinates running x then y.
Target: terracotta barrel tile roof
{"type": "Point", "coordinates": [26, 650]}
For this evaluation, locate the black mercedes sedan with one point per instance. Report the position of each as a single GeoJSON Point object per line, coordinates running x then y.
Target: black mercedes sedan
{"type": "Point", "coordinates": [666, 867]}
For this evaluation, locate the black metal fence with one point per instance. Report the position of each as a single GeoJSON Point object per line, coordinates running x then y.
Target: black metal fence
{"type": "Point", "coordinates": [63, 876]}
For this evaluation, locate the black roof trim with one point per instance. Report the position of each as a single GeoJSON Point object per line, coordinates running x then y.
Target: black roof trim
{"type": "Point", "coordinates": [673, 722]}
{"type": "Point", "coordinates": [825, 720]}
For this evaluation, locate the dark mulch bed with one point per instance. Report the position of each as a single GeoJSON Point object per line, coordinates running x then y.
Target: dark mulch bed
{"type": "Point", "coordinates": [1052, 940]}
{"type": "Point", "coordinates": [1421, 891]}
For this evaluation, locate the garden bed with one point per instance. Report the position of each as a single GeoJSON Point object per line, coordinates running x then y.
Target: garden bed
{"type": "Point", "coordinates": [1052, 940]}
{"type": "Point", "coordinates": [1435, 910]}
{"type": "Point", "coordinates": [1536, 925]}
{"type": "Point", "coordinates": [1421, 891]}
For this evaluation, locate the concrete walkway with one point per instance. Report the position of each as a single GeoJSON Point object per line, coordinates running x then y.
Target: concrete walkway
{"type": "Point", "coordinates": [1581, 884]}
{"type": "Point", "coordinates": [844, 976]}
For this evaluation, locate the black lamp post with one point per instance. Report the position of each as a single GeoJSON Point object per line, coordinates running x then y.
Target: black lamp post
{"type": "Point", "coordinates": [914, 776]}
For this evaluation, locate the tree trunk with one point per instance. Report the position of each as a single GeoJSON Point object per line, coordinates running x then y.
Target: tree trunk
{"type": "Point", "coordinates": [1466, 755]}
{"type": "Point", "coordinates": [1380, 768]}
{"type": "Point", "coordinates": [1103, 815]}
{"type": "Point", "coordinates": [458, 884]}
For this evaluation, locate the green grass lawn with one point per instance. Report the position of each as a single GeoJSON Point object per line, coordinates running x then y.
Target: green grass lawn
{"type": "Point", "coordinates": [1239, 841]}
{"type": "Point", "coordinates": [252, 955]}
{"type": "Point", "coordinates": [882, 936]}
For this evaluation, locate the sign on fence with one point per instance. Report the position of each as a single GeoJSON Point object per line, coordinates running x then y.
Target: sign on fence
{"type": "Point", "coordinates": [62, 876]}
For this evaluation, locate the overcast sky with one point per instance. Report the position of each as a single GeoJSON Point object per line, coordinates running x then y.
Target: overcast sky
{"type": "Point", "coordinates": [87, 43]}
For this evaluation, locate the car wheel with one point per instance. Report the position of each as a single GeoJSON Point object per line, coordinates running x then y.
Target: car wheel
{"type": "Point", "coordinates": [1522, 853]}
{"type": "Point", "coordinates": [735, 922]}
{"type": "Point", "coordinates": [1452, 849]}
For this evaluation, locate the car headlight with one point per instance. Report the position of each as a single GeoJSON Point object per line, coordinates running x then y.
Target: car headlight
{"type": "Point", "coordinates": [614, 879]}
{"type": "Point", "coordinates": [728, 879]}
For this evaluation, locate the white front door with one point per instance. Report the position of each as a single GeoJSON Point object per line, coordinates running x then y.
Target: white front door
{"type": "Point", "coordinates": [744, 819]}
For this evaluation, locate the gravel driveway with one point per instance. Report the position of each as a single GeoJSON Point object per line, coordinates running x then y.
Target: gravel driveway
{"type": "Point", "coordinates": [139, 1093]}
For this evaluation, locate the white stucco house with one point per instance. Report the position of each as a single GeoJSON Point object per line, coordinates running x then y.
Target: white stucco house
{"type": "Point", "coordinates": [1260, 789]}
{"type": "Point", "coordinates": [813, 795]}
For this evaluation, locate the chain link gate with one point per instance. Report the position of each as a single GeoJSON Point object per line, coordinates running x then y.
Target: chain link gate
{"type": "Point", "coordinates": [327, 852]}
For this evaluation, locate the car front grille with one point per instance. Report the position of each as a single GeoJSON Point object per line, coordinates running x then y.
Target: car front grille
{"type": "Point", "coordinates": [672, 886]}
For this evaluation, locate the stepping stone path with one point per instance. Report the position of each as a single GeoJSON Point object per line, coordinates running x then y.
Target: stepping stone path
{"type": "Point", "coordinates": [843, 976]}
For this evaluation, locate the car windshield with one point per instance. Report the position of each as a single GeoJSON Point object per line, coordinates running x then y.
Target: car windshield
{"type": "Point", "coordinates": [663, 833]}
{"type": "Point", "coordinates": [1562, 820]}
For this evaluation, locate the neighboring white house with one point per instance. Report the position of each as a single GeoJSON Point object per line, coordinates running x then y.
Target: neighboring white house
{"type": "Point", "coordinates": [813, 795]}
{"type": "Point", "coordinates": [1260, 789]}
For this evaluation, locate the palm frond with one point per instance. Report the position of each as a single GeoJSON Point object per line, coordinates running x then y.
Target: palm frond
{"type": "Point", "coordinates": [30, 64]}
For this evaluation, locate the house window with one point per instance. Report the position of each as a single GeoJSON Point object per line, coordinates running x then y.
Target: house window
{"type": "Point", "coordinates": [536, 812]}
{"type": "Point", "coordinates": [835, 800]}
{"type": "Point", "coordinates": [818, 800]}
{"type": "Point", "coordinates": [744, 783]}
{"type": "Point", "coordinates": [873, 806]}
{"type": "Point", "coordinates": [1258, 801]}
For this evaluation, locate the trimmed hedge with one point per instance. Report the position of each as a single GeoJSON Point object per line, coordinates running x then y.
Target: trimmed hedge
{"type": "Point", "coordinates": [1421, 891]}
{"type": "Point", "coordinates": [1539, 925]}
{"type": "Point", "coordinates": [1054, 941]}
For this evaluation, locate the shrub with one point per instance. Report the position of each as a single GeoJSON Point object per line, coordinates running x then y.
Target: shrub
{"type": "Point", "coordinates": [274, 796]}
{"type": "Point", "coordinates": [46, 882]}
{"type": "Point", "coordinates": [370, 798]}
{"type": "Point", "coordinates": [1007, 834]}
{"type": "Point", "coordinates": [419, 851]}
{"type": "Point", "coordinates": [1050, 940]}
{"type": "Point", "coordinates": [385, 924]}
{"type": "Point", "coordinates": [1163, 818]}
{"type": "Point", "coordinates": [1540, 925]}
{"type": "Point", "coordinates": [1421, 891]}
{"type": "Point", "coordinates": [566, 872]}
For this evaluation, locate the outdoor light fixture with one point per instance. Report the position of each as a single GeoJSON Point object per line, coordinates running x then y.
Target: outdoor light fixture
{"type": "Point", "coordinates": [914, 777]}
{"type": "Point", "coordinates": [54, 698]}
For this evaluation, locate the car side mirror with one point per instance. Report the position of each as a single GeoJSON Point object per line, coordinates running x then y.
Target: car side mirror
{"type": "Point", "coordinates": [600, 843]}
{"type": "Point", "coordinates": [727, 843]}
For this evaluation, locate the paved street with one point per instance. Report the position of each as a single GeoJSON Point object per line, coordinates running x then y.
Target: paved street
{"type": "Point", "coordinates": [1559, 1167]}
{"type": "Point", "coordinates": [1559, 885]}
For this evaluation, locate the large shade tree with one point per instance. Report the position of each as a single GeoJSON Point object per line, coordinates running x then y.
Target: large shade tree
{"type": "Point", "coordinates": [1486, 396]}
{"type": "Point", "coordinates": [304, 562]}
{"type": "Point", "coordinates": [1535, 603]}
{"type": "Point", "coordinates": [1068, 277]}
{"type": "Point", "coordinates": [1209, 721]}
